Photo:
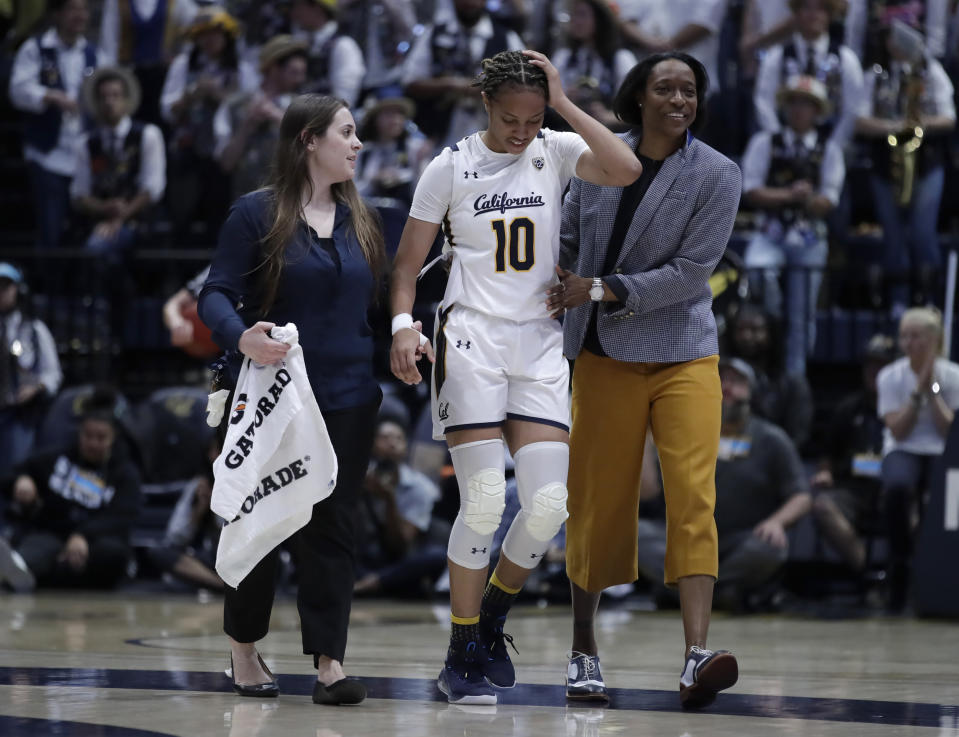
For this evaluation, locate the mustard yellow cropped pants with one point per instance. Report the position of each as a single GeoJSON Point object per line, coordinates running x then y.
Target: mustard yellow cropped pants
{"type": "Point", "coordinates": [613, 404]}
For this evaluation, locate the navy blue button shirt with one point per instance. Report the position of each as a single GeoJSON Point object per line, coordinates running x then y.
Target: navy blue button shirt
{"type": "Point", "coordinates": [325, 289]}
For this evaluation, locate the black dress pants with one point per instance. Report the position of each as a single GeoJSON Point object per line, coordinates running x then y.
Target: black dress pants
{"type": "Point", "coordinates": [106, 562]}
{"type": "Point", "coordinates": [324, 551]}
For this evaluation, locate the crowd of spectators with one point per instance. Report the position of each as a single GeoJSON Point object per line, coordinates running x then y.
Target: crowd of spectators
{"type": "Point", "coordinates": [140, 112]}
{"type": "Point", "coordinates": [213, 77]}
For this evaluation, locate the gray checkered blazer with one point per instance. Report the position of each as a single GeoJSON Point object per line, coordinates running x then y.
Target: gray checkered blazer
{"type": "Point", "coordinates": [677, 236]}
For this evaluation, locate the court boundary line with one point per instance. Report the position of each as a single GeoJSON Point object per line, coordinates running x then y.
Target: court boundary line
{"type": "Point", "coordinates": [918, 714]}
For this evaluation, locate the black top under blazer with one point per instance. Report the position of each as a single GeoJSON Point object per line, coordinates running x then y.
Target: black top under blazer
{"type": "Point", "coordinates": [677, 236]}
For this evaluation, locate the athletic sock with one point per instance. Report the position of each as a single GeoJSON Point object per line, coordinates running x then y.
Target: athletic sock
{"type": "Point", "coordinates": [497, 599]}
{"type": "Point", "coordinates": [463, 630]}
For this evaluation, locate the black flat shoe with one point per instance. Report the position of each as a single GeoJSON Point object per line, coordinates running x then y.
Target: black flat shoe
{"type": "Point", "coordinates": [343, 691]}
{"type": "Point", "coordinates": [268, 690]}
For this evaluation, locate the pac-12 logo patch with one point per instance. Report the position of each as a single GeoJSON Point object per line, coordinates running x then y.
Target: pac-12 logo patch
{"type": "Point", "coordinates": [239, 409]}
{"type": "Point", "coordinates": [539, 162]}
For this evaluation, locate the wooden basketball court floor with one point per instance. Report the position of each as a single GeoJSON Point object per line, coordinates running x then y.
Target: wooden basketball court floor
{"type": "Point", "coordinates": [135, 664]}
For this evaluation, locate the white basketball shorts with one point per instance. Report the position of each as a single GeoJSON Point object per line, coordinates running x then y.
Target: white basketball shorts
{"type": "Point", "coordinates": [490, 369]}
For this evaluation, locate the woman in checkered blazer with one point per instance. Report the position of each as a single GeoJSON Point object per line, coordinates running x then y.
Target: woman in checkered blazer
{"type": "Point", "coordinates": [640, 327]}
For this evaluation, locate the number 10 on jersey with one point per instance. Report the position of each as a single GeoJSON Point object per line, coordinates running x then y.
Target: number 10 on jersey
{"type": "Point", "coordinates": [518, 240]}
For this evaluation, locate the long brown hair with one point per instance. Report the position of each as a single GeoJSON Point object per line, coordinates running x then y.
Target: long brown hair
{"type": "Point", "coordinates": [309, 115]}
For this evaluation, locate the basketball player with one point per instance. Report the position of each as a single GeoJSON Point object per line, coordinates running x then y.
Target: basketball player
{"type": "Point", "coordinates": [499, 367]}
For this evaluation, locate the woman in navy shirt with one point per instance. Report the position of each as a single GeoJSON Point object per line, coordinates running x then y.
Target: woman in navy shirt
{"type": "Point", "coordinates": [305, 249]}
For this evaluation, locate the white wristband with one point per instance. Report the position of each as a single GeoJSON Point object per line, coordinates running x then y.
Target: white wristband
{"type": "Point", "coordinates": [401, 321]}
{"type": "Point", "coordinates": [405, 320]}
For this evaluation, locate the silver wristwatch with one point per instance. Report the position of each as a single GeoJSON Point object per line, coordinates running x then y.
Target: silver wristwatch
{"type": "Point", "coordinates": [597, 292]}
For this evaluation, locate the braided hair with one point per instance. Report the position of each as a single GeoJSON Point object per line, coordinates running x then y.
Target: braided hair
{"type": "Point", "coordinates": [513, 69]}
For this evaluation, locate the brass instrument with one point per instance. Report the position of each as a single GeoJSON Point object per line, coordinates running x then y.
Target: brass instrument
{"type": "Point", "coordinates": [904, 146]}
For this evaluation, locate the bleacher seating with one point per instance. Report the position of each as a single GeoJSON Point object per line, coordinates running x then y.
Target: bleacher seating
{"type": "Point", "coordinates": [174, 439]}
{"type": "Point", "coordinates": [166, 435]}
{"type": "Point", "coordinates": [62, 418]}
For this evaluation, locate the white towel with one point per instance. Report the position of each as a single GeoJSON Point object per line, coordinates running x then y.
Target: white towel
{"type": "Point", "coordinates": [277, 461]}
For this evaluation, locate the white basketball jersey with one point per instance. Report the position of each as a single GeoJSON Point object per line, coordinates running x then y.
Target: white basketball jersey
{"type": "Point", "coordinates": [503, 221]}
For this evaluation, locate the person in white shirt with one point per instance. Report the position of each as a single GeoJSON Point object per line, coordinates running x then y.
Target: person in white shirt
{"type": "Point", "coordinates": [200, 78]}
{"type": "Point", "coordinates": [591, 63]}
{"type": "Point", "coordinates": [145, 35]}
{"type": "Point", "coordinates": [692, 26]}
{"type": "Point", "coordinates": [30, 371]}
{"type": "Point", "coordinates": [438, 71]}
{"type": "Point", "coordinates": [865, 20]}
{"type": "Point", "coordinates": [383, 30]}
{"type": "Point", "coordinates": [810, 51]}
{"type": "Point", "coordinates": [686, 25]}
{"type": "Point", "coordinates": [121, 164]}
{"type": "Point", "coordinates": [394, 153]}
{"type": "Point", "coordinates": [500, 371]}
{"type": "Point", "coordinates": [336, 65]}
{"type": "Point", "coordinates": [125, 32]}
{"type": "Point", "coordinates": [764, 23]}
{"type": "Point", "coordinates": [907, 89]}
{"type": "Point", "coordinates": [45, 82]}
{"type": "Point", "coordinates": [795, 177]}
{"type": "Point", "coordinates": [247, 124]}
{"type": "Point", "coordinates": [918, 398]}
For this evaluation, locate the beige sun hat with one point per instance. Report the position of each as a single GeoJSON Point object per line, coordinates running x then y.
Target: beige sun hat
{"type": "Point", "coordinates": [802, 85]}
{"type": "Point", "coordinates": [278, 48]}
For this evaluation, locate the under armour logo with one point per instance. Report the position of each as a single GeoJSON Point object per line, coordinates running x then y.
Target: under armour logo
{"type": "Point", "coordinates": [533, 556]}
{"type": "Point", "coordinates": [463, 344]}
{"type": "Point", "coordinates": [478, 550]}
{"type": "Point", "coordinates": [466, 175]}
